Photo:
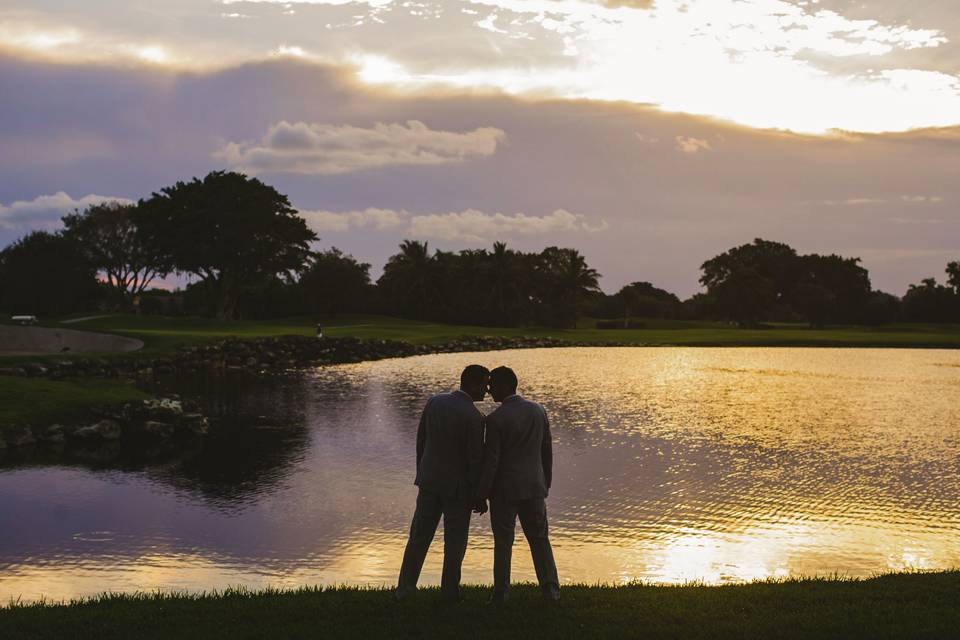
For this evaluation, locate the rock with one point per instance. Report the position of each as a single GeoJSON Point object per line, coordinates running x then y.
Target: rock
{"type": "Point", "coordinates": [12, 371]}
{"type": "Point", "coordinates": [103, 430]}
{"type": "Point", "coordinates": [36, 369]}
{"type": "Point", "coordinates": [20, 437]}
{"type": "Point", "coordinates": [53, 435]}
{"type": "Point", "coordinates": [163, 407]}
{"type": "Point", "coordinates": [158, 429]}
{"type": "Point", "coordinates": [195, 423]}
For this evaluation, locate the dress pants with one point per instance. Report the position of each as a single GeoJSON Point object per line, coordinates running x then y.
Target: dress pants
{"type": "Point", "coordinates": [456, 525]}
{"type": "Point", "coordinates": [533, 520]}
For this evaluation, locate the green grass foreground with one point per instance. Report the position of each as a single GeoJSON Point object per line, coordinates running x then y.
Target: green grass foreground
{"type": "Point", "coordinates": [916, 605]}
{"type": "Point", "coordinates": [163, 334]}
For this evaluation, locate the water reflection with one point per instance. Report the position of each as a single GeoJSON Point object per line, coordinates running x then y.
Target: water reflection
{"type": "Point", "coordinates": [671, 465]}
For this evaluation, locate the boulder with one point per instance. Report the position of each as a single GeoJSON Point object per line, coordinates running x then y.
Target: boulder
{"type": "Point", "coordinates": [20, 437]}
{"type": "Point", "coordinates": [35, 369]}
{"type": "Point", "coordinates": [103, 430]}
{"type": "Point", "coordinates": [157, 429]}
{"type": "Point", "coordinates": [195, 423]}
{"type": "Point", "coordinates": [53, 435]}
{"type": "Point", "coordinates": [12, 371]}
{"type": "Point", "coordinates": [163, 407]}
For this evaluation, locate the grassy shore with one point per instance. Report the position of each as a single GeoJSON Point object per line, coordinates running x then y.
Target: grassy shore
{"type": "Point", "coordinates": [163, 334]}
{"type": "Point", "coordinates": [891, 606]}
{"type": "Point", "coordinates": [42, 401]}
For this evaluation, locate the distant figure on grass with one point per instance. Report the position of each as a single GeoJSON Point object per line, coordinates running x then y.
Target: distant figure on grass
{"type": "Point", "coordinates": [449, 454]}
{"type": "Point", "coordinates": [516, 476]}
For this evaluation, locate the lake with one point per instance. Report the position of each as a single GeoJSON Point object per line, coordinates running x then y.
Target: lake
{"type": "Point", "coordinates": [671, 465]}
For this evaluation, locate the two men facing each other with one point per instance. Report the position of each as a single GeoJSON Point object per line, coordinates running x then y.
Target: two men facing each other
{"type": "Point", "coordinates": [461, 465]}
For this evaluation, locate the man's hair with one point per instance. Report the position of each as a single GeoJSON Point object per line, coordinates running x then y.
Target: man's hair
{"type": "Point", "coordinates": [505, 376]}
{"type": "Point", "coordinates": [474, 374]}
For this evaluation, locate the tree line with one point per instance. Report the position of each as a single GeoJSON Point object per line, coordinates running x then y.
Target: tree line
{"type": "Point", "coordinates": [249, 255]}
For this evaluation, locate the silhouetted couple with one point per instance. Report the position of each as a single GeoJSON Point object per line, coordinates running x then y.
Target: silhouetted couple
{"type": "Point", "coordinates": [464, 460]}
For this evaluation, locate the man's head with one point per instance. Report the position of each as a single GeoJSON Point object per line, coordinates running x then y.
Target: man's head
{"type": "Point", "coordinates": [503, 383]}
{"type": "Point", "coordinates": [473, 381]}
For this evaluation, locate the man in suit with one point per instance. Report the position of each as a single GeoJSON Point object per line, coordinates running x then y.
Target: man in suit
{"type": "Point", "coordinates": [516, 476]}
{"type": "Point", "coordinates": [449, 453]}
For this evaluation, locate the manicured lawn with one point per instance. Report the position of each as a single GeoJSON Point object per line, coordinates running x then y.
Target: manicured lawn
{"type": "Point", "coordinates": [892, 606]}
{"type": "Point", "coordinates": [41, 401]}
{"type": "Point", "coordinates": [162, 334]}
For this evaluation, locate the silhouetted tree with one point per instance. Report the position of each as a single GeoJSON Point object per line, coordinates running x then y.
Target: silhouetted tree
{"type": "Point", "coordinates": [506, 277]}
{"type": "Point", "coordinates": [953, 275]}
{"type": "Point", "coordinates": [229, 230]}
{"type": "Point", "coordinates": [129, 257]}
{"type": "Point", "coordinates": [47, 273]}
{"type": "Point", "coordinates": [562, 281]}
{"type": "Point", "coordinates": [830, 288]}
{"type": "Point", "coordinates": [775, 262]}
{"type": "Point", "coordinates": [881, 308]}
{"type": "Point", "coordinates": [744, 296]}
{"type": "Point", "coordinates": [644, 299]}
{"type": "Point", "coordinates": [929, 302]}
{"type": "Point", "coordinates": [335, 283]}
{"type": "Point", "coordinates": [410, 279]}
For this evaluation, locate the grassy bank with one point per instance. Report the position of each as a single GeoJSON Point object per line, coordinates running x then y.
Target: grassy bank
{"type": "Point", "coordinates": [43, 401]}
{"type": "Point", "coordinates": [892, 606]}
{"type": "Point", "coordinates": [163, 334]}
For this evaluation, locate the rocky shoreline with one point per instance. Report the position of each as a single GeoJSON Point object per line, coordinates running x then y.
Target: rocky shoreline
{"type": "Point", "coordinates": [149, 422]}
{"type": "Point", "coordinates": [169, 419]}
{"type": "Point", "coordinates": [270, 355]}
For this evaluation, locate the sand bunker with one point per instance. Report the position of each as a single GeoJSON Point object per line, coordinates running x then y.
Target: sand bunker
{"type": "Point", "coordinates": [43, 340]}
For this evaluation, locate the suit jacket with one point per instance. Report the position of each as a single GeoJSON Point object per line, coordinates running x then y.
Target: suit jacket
{"type": "Point", "coordinates": [450, 445]}
{"type": "Point", "coordinates": [518, 452]}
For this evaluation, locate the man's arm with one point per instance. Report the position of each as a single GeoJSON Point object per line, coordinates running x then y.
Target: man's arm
{"type": "Point", "coordinates": [546, 451]}
{"type": "Point", "coordinates": [491, 457]}
{"type": "Point", "coordinates": [422, 433]}
{"type": "Point", "coordinates": [475, 451]}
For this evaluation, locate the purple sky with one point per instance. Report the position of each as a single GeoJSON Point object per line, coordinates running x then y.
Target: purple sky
{"type": "Point", "coordinates": [516, 129]}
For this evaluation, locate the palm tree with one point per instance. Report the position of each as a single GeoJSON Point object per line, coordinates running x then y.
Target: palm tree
{"type": "Point", "coordinates": [504, 276]}
{"type": "Point", "coordinates": [564, 282]}
{"type": "Point", "coordinates": [411, 277]}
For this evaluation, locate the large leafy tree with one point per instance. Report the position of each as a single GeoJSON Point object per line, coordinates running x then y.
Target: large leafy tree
{"type": "Point", "coordinates": [47, 273]}
{"type": "Point", "coordinates": [644, 299]}
{"type": "Point", "coordinates": [335, 283]}
{"type": "Point", "coordinates": [128, 256]}
{"type": "Point", "coordinates": [775, 262]}
{"type": "Point", "coordinates": [230, 231]}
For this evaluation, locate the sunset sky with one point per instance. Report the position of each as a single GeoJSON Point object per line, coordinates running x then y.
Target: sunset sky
{"type": "Point", "coordinates": [650, 134]}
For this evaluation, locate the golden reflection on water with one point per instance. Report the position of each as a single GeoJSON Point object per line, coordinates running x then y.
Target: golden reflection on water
{"type": "Point", "coordinates": [671, 465]}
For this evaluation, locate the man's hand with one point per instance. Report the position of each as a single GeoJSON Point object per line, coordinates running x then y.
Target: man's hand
{"type": "Point", "coordinates": [480, 506]}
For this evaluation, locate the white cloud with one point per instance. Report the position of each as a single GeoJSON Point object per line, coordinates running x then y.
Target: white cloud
{"type": "Point", "coordinates": [922, 199]}
{"type": "Point", "coordinates": [692, 145]}
{"type": "Point", "coordinates": [331, 149]}
{"type": "Point", "coordinates": [44, 212]}
{"type": "Point", "coordinates": [469, 225]}
{"type": "Point", "coordinates": [476, 226]}
{"type": "Point", "coordinates": [378, 219]}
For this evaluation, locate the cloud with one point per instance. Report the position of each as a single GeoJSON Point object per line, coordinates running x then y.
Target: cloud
{"type": "Point", "coordinates": [476, 226]}
{"type": "Point", "coordinates": [469, 225]}
{"type": "Point", "coordinates": [852, 202]}
{"type": "Point", "coordinates": [379, 219]}
{"type": "Point", "coordinates": [692, 145]}
{"type": "Point", "coordinates": [328, 149]}
{"type": "Point", "coordinates": [922, 199]}
{"type": "Point", "coordinates": [44, 212]}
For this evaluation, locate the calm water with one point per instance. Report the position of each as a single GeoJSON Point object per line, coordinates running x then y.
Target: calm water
{"type": "Point", "coordinates": [672, 465]}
